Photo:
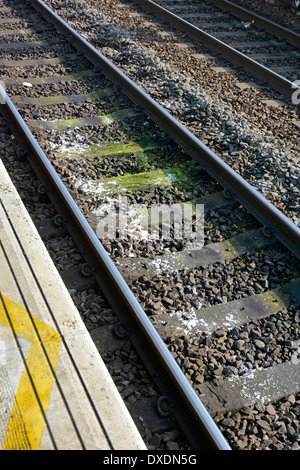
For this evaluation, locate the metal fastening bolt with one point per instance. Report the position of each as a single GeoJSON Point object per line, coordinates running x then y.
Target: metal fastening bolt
{"type": "Point", "coordinates": [58, 220]}
{"type": "Point", "coordinates": [121, 329]}
{"type": "Point", "coordinates": [268, 232]}
{"type": "Point", "coordinates": [228, 194]}
{"type": "Point", "coordinates": [164, 406]}
{"type": "Point", "coordinates": [86, 270]}
{"type": "Point", "coordinates": [42, 189]}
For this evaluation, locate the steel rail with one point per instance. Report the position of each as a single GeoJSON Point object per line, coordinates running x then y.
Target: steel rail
{"type": "Point", "coordinates": [183, 402]}
{"type": "Point", "coordinates": [277, 224]}
{"type": "Point", "coordinates": [279, 83]}
{"type": "Point", "coordinates": [186, 406]}
{"type": "Point", "coordinates": [260, 21]}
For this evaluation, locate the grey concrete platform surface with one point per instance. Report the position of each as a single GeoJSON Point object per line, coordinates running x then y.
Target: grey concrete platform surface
{"type": "Point", "coordinates": [55, 391]}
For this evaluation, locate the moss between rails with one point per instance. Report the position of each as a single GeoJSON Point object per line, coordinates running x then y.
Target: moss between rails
{"type": "Point", "coordinates": [121, 185]}
{"type": "Point", "coordinates": [167, 164]}
{"type": "Point", "coordinates": [65, 123]}
{"type": "Point", "coordinates": [142, 162]}
{"type": "Point", "coordinates": [94, 151]}
{"type": "Point", "coordinates": [107, 119]}
{"type": "Point", "coordinates": [11, 32]}
{"type": "Point", "coordinates": [275, 300]}
{"type": "Point", "coordinates": [245, 241]}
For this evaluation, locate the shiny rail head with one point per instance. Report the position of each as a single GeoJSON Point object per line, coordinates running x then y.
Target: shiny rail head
{"type": "Point", "coordinates": [296, 93]}
{"type": "Point", "coordinates": [3, 94]}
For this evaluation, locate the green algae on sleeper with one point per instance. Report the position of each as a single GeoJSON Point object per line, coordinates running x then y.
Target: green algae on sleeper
{"type": "Point", "coordinates": [62, 124]}
{"type": "Point", "coordinates": [121, 185]}
{"type": "Point", "coordinates": [105, 150]}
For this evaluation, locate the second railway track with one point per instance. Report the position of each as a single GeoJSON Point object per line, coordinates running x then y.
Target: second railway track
{"type": "Point", "coordinates": [264, 48]}
{"type": "Point", "coordinates": [236, 34]}
{"type": "Point", "coordinates": [229, 312]}
{"type": "Point", "coordinates": [252, 128]}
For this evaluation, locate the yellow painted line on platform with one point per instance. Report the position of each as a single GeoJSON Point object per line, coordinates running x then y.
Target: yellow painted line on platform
{"type": "Point", "coordinates": [27, 422]}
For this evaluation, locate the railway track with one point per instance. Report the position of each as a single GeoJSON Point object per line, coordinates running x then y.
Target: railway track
{"type": "Point", "coordinates": [228, 313]}
{"type": "Point", "coordinates": [221, 106]}
{"type": "Point", "coordinates": [283, 13]}
{"type": "Point", "coordinates": [268, 51]}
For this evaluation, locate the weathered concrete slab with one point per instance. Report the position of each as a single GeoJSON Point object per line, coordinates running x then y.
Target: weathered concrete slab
{"type": "Point", "coordinates": [29, 44]}
{"type": "Point", "coordinates": [77, 76]}
{"type": "Point", "coordinates": [62, 124]}
{"type": "Point", "coordinates": [133, 268]}
{"type": "Point", "coordinates": [231, 314]}
{"type": "Point", "coordinates": [33, 62]}
{"type": "Point", "coordinates": [265, 385]}
{"type": "Point", "coordinates": [59, 99]}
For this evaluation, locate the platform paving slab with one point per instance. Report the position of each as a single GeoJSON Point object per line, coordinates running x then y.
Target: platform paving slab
{"type": "Point", "coordinates": [55, 389]}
